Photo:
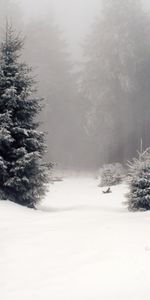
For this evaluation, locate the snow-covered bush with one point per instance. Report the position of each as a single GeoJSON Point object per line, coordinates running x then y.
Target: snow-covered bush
{"type": "Point", "coordinates": [111, 174]}
{"type": "Point", "coordinates": [139, 182]}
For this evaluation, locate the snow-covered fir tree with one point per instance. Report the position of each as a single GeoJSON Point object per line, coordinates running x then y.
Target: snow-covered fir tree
{"type": "Point", "coordinates": [111, 174]}
{"type": "Point", "coordinates": [139, 182]}
{"type": "Point", "coordinates": [23, 172]}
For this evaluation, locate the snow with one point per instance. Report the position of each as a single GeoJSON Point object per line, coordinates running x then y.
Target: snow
{"type": "Point", "coordinates": [79, 245]}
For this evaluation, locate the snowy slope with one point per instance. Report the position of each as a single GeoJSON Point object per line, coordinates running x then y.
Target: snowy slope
{"type": "Point", "coordinates": [79, 245]}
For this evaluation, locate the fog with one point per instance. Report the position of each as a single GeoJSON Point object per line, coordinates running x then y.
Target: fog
{"type": "Point", "coordinates": [73, 16]}
{"type": "Point", "coordinates": [92, 69]}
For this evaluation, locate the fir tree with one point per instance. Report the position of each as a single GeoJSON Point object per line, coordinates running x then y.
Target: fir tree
{"type": "Point", "coordinates": [139, 182]}
{"type": "Point", "coordinates": [111, 174]}
{"type": "Point", "coordinates": [23, 174]}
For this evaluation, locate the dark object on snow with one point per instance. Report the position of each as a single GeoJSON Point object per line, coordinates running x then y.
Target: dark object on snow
{"type": "Point", "coordinates": [107, 191]}
{"type": "Point", "coordinates": [56, 179]}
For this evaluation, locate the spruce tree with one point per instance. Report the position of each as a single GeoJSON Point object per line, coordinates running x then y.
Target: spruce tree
{"type": "Point", "coordinates": [139, 182]}
{"type": "Point", "coordinates": [23, 173]}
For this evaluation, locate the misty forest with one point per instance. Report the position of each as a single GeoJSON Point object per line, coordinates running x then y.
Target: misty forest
{"type": "Point", "coordinates": [96, 107]}
{"type": "Point", "coordinates": [74, 149]}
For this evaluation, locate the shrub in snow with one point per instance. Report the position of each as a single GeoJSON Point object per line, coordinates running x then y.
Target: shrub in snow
{"type": "Point", "coordinates": [111, 174]}
{"type": "Point", "coordinates": [139, 182]}
{"type": "Point", "coordinates": [23, 173]}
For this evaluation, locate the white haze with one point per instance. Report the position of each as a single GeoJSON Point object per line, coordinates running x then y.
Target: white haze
{"type": "Point", "coordinates": [73, 16]}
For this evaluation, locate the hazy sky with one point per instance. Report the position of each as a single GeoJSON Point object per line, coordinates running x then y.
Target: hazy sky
{"type": "Point", "coordinates": [73, 16]}
{"type": "Point", "coordinates": [69, 13]}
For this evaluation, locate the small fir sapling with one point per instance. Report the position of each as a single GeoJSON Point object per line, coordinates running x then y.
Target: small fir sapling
{"type": "Point", "coordinates": [111, 174]}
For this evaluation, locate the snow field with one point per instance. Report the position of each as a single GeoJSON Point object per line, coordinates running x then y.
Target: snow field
{"type": "Point", "coordinates": [79, 245]}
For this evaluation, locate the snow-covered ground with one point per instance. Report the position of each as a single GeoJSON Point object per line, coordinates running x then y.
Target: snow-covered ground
{"type": "Point", "coordinates": [79, 245]}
